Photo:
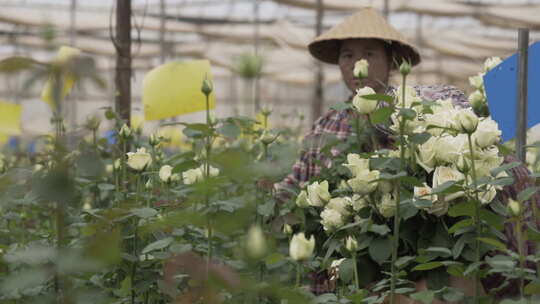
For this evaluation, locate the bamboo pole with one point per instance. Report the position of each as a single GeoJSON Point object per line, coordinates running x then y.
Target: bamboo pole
{"type": "Point", "coordinates": [319, 76]}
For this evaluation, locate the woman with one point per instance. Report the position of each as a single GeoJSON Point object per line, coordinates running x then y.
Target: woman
{"type": "Point", "coordinates": [366, 35]}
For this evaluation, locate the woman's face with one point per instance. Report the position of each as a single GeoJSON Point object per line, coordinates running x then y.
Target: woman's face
{"type": "Point", "coordinates": [373, 50]}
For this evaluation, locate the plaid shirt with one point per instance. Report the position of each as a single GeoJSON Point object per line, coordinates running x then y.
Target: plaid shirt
{"type": "Point", "coordinates": [336, 124]}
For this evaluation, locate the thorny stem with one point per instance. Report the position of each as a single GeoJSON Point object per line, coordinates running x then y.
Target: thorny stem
{"type": "Point", "coordinates": [356, 280]}
{"type": "Point", "coordinates": [519, 236]}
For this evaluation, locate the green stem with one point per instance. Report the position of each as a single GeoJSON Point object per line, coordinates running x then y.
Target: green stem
{"type": "Point", "coordinates": [356, 280]}
{"type": "Point", "coordinates": [395, 243]}
{"type": "Point", "coordinates": [208, 149]}
{"type": "Point", "coordinates": [298, 270]}
{"type": "Point", "coordinates": [358, 137]}
{"type": "Point", "coordinates": [135, 245]}
{"type": "Point", "coordinates": [476, 222]}
{"type": "Point", "coordinates": [519, 236]}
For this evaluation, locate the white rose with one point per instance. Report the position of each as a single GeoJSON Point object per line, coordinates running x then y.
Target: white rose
{"type": "Point", "coordinates": [256, 243]}
{"type": "Point", "coordinates": [356, 164]}
{"type": "Point", "coordinates": [477, 99]}
{"type": "Point", "coordinates": [387, 206]}
{"type": "Point", "coordinates": [331, 219]}
{"type": "Point", "coordinates": [437, 122]}
{"type": "Point", "coordinates": [449, 148]}
{"type": "Point", "coordinates": [361, 68]}
{"type": "Point", "coordinates": [486, 196]}
{"type": "Point", "coordinates": [466, 121]}
{"type": "Point", "coordinates": [318, 194]}
{"type": "Point", "coordinates": [358, 202]}
{"type": "Point", "coordinates": [362, 105]}
{"type": "Point", "coordinates": [363, 183]}
{"type": "Point", "coordinates": [426, 155]}
{"type": "Point", "coordinates": [442, 175]}
{"type": "Point", "coordinates": [125, 131]}
{"type": "Point", "coordinates": [334, 268]}
{"type": "Point", "coordinates": [139, 160]}
{"type": "Point", "coordinates": [302, 199]}
{"type": "Point", "coordinates": [165, 173]}
{"type": "Point", "coordinates": [514, 207]}
{"type": "Point", "coordinates": [488, 159]}
{"type": "Point", "coordinates": [487, 133]}
{"type": "Point", "coordinates": [192, 176]}
{"type": "Point", "coordinates": [385, 186]}
{"type": "Point", "coordinates": [340, 205]}
{"type": "Point", "coordinates": [109, 168]}
{"type": "Point", "coordinates": [351, 244]}
{"type": "Point", "coordinates": [213, 171]}
{"type": "Point", "coordinates": [491, 63]}
{"type": "Point", "coordinates": [438, 207]}
{"type": "Point", "coordinates": [410, 97]}
{"type": "Point", "coordinates": [477, 81]}
{"type": "Point", "coordinates": [301, 248]}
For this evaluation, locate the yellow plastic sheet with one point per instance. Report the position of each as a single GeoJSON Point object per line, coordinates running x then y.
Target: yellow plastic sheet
{"type": "Point", "coordinates": [10, 118]}
{"type": "Point", "coordinates": [3, 139]}
{"type": "Point", "coordinates": [175, 88]}
{"type": "Point", "coordinates": [65, 53]}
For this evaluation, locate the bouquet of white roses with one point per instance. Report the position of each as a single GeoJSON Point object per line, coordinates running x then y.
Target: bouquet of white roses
{"type": "Point", "coordinates": [421, 204]}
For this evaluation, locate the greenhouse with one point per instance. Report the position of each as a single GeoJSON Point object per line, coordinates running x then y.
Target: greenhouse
{"type": "Point", "coordinates": [270, 151]}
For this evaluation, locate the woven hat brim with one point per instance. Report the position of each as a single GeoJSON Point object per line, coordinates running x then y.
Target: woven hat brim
{"type": "Point", "coordinates": [365, 24]}
{"type": "Point", "coordinates": [328, 50]}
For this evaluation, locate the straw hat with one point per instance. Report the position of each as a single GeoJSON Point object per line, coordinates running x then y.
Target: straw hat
{"type": "Point", "coordinates": [366, 23]}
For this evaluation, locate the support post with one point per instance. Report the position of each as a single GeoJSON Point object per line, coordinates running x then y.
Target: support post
{"type": "Point", "coordinates": [523, 53]}
{"type": "Point", "coordinates": [123, 59]}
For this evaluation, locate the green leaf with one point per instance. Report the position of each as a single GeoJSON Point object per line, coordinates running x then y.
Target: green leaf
{"type": "Point", "coordinates": [422, 203]}
{"type": "Point", "coordinates": [274, 258]}
{"type": "Point", "coordinates": [381, 115]}
{"type": "Point", "coordinates": [407, 113]}
{"type": "Point", "coordinates": [388, 176]}
{"type": "Point", "coordinates": [144, 212]}
{"type": "Point", "coordinates": [533, 287]}
{"type": "Point", "coordinates": [496, 171]}
{"type": "Point", "coordinates": [501, 261]}
{"type": "Point", "coordinates": [106, 187]}
{"type": "Point", "coordinates": [458, 246]}
{"type": "Point", "coordinates": [461, 209]}
{"type": "Point", "coordinates": [493, 242]}
{"type": "Point", "coordinates": [404, 260]}
{"type": "Point", "coordinates": [17, 64]}
{"type": "Point", "coordinates": [427, 266]}
{"type": "Point", "coordinates": [379, 97]}
{"type": "Point", "coordinates": [379, 229]}
{"type": "Point", "coordinates": [443, 187]}
{"type": "Point", "coordinates": [159, 244]}
{"type": "Point", "coordinates": [346, 270]}
{"type": "Point", "coordinates": [503, 181]}
{"type": "Point", "coordinates": [472, 268]}
{"type": "Point", "coordinates": [425, 296]}
{"type": "Point", "coordinates": [461, 224]}
{"type": "Point", "coordinates": [341, 106]}
{"type": "Point", "coordinates": [526, 194]}
{"type": "Point", "coordinates": [229, 129]}
{"type": "Point", "coordinates": [380, 250]}
{"type": "Point", "coordinates": [452, 295]}
{"type": "Point", "coordinates": [420, 138]}
{"type": "Point", "coordinates": [441, 251]}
